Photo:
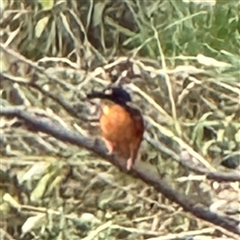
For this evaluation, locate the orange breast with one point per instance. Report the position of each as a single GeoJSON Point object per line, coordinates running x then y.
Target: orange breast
{"type": "Point", "coordinates": [123, 128]}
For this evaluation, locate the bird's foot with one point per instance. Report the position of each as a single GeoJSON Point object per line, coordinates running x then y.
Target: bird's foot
{"type": "Point", "coordinates": [129, 163]}
{"type": "Point", "coordinates": [109, 145]}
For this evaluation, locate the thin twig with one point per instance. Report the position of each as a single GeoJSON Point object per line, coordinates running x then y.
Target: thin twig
{"type": "Point", "coordinates": [142, 171]}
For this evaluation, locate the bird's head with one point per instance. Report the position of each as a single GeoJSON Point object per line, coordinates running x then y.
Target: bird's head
{"type": "Point", "coordinates": [115, 94]}
{"type": "Point", "coordinates": [119, 95]}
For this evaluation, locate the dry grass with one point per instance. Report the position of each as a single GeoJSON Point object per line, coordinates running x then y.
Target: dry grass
{"type": "Point", "coordinates": [180, 61]}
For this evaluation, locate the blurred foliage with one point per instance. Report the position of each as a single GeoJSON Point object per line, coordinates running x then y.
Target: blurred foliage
{"type": "Point", "coordinates": [120, 27]}
{"type": "Point", "coordinates": [56, 191]}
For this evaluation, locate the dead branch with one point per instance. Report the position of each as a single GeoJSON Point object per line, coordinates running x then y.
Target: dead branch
{"type": "Point", "coordinates": [187, 162]}
{"type": "Point", "coordinates": [141, 171]}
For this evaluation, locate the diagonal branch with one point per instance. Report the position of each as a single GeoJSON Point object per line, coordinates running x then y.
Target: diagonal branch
{"type": "Point", "coordinates": [183, 160]}
{"type": "Point", "coordinates": [141, 171]}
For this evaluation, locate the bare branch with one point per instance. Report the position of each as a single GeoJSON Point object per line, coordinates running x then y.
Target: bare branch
{"type": "Point", "coordinates": [188, 161]}
{"type": "Point", "coordinates": [141, 171]}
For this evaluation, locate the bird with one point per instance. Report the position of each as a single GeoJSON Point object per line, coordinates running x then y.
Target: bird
{"type": "Point", "coordinates": [121, 124]}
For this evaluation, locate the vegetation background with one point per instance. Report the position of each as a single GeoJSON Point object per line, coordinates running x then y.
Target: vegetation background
{"type": "Point", "coordinates": [180, 61]}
